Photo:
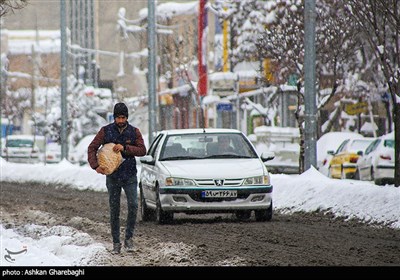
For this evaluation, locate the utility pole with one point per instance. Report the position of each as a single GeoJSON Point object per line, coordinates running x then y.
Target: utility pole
{"type": "Point", "coordinates": [88, 64]}
{"type": "Point", "coordinates": [63, 26]}
{"type": "Point", "coordinates": [202, 57]}
{"type": "Point", "coordinates": [34, 84]}
{"type": "Point", "coordinates": [310, 119]}
{"type": "Point", "coordinates": [151, 78]}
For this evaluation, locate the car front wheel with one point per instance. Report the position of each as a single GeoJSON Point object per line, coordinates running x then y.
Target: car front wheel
{"type": "Point", "coordinates": [264, 215]}
{"type": "Point", "coordinates": [162, 216]}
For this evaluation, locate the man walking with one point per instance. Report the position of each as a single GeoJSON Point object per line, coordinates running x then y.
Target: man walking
{"type": "Point", "coordinates": [129, 142]}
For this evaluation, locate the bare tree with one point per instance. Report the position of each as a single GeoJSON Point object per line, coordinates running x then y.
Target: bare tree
{"type": "Point", "coordinates": [282, 41]}
{"type": "Point", "coordinates": [11, 5]}
{"type": "Point", "coordinates": [379, 20]}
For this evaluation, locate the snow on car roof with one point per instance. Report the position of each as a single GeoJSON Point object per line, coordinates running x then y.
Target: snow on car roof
{"type": "Point", "coordinates": [388, 136]}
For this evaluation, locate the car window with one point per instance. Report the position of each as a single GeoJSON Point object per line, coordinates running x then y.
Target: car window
{"type": "Point", "coordinates": [372, 147]}
{"type": "Point", "coordinates": [342, 146]}
{"type": "Point", "coordinates": [359, 145]}
{"type": "Point", "coordinates": [154, 145]}
{"type": "Point", "coordinates": [388, 143]}
{"type": "Point", "coordinates": [200, 146]}
{"type": "Point", "coordinates": [19, 143]}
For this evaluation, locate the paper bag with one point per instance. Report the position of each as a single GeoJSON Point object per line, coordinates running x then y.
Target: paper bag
{"type": "Point", "coordinates": [108, 159]}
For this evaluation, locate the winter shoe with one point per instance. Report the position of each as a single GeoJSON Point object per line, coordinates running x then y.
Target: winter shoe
{"type": "Point", "coordinates": [116, 248]}
{"type": "Point", "coordinates": [129, 245]}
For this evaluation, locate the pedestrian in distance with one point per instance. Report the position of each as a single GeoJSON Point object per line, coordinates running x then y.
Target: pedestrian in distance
{"type": "Point", "coordinates": [129, 142]}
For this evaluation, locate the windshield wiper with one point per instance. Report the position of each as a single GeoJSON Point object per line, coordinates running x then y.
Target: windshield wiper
{"type": "Point", "coordinates": [228, 156]}
{"type": "Point", "coordinates": [180, 157]}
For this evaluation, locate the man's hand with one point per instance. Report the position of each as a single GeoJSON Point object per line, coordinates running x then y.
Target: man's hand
{"type": "Point", "coordinates": [118, 148]}
{"type": "Point", "coordinates": [100, 170]}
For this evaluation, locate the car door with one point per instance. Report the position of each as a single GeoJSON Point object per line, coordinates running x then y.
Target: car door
{"type": "Point", "coordinates": [365, 162]}
{"type": "Point", "coordinates": [148, 175]}
{"type": "Point", "coordinates": [335, 166]}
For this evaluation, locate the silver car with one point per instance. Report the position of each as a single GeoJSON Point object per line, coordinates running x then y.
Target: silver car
{"type": "Point", "coordinates": [204, 171]}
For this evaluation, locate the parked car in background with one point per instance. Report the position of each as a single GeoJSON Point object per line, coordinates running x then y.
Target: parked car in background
{"type": "Point", "coordinates": [53, 152]}
{"type": "Point", "coordinates": [330, 142]}
{"type": "Point", "coordinates": [78, 154]}
{"type": "Point", "coordinates": [343, 164]}
{"type": "Point", "coordinates": [186, 171]}
{"type": "Point", "coordinates": [3, 144]}
{"type": "Point", "coordinates": [24, 148]}
{"type": "Point", "coordinates": [377, 163]}
{"type": "Point", "coordinates": [284, 143]}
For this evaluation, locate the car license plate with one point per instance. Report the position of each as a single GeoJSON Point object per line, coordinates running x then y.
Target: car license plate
{"type": "Point", "coordinates": [219, 193]}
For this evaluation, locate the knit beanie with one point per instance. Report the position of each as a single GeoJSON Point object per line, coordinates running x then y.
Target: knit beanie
{"type": "Point", "coordinates": [120, 109]}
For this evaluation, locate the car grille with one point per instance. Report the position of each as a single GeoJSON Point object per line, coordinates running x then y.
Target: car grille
{"type": "Point", "coordinates": [215, 183]}
{"type": "Point", "coordinates": [212, 182]}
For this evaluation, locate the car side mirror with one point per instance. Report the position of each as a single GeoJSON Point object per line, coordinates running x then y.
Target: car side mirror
{"type": "Point", "coordinates": [266, 156]}
{"type": "Point", "coordinates": [147, 159]}
{"type": "Point", "coordinates": [330, 152]}
{"type": "Point", "coordinates": [360, 153]}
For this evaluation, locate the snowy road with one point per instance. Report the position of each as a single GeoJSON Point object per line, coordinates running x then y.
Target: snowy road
{"type": "Point", "coordinates": [208, 240]}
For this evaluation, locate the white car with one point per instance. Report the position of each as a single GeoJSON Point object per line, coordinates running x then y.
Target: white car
{"type": "Point", "coordinates": [53, 152]}
{"type": "Point", "coordinates": [284, 143]}
{"type": "Point", "coordinates": [24, 148]}
{"type": "Point", "coordinates": [185, 171]}
{"type": "Point", "coordinates": [78, 155]}
{"type": "Point", "coordinates": [377, 164]}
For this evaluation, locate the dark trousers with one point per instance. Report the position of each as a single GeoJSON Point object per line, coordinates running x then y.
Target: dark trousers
{"type": "Point", "coordinates": [114, 188]}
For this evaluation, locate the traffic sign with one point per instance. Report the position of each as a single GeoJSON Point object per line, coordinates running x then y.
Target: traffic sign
{"type": "Point", "coordinates": [224, 107]}
{"type": "Point", "coordinates": [357, 108]}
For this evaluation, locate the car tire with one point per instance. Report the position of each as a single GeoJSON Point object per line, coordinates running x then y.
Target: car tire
{"type": "Point", "coordinates": [162, 217]}
{"type": "Point", "coordinates": [146, 213]}
{"type": "Point", "coordinates": [264, 215]}
{"type": "Point", "coordinates": [243, 215]}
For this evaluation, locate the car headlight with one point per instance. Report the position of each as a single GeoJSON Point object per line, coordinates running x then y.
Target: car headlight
{"type": "Point", "coordinates": [259, 180]}
{"type": "Point", "coordinates": [181, 182]}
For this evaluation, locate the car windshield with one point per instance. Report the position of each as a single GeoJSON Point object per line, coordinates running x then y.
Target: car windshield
{"type": "Point", "coordinates": [19, 143]}
{"type": "Point", "coordinates": [53, 147]}
{"type": "Point", "coordinates": [210, 145]}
